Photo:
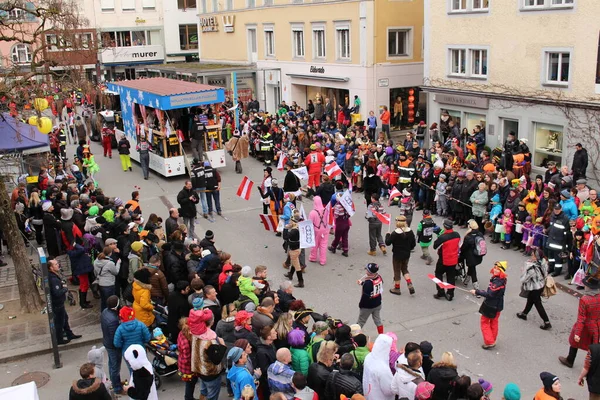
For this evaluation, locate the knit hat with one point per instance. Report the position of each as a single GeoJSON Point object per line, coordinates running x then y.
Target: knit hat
{"type": "Point", "coordinates": [512, 392]}
{"type": "Point", "coordinates": [142, 275]}
{"type": "Point", "coordinates": [110, 241]}
{"type": "Point", "coordinates": [66, 214]}
{"type": "Point", "coordinates": [209, 235]}
{"type": "Point", "coordinates": [157, 332]}
{"type": "Point", "coordinates": [426, 348]}
{"type": "Point", "coordinates": [565, 193]}
{"type": "Point", "coordinates": [372, 268]}
{"type": "Point", "coordinates": [486, 386]}
{"type": "Point", "coordinates": [448, 224]}
{"type": "Point", "coordinates": [46, 205]}
{"type": "Point", "coordinates": [198, 303]}
{"type": "Point", "coordinates": [235, 354]}
{"type": "Point", "coordinates": [502, 265]}
{"type": "Point", "coordinates": [424, 391]}
{"type": "Point", "coordinates": [443, 176]}
{"type": "Point", "coordinates": [126, 314]}
{"type": "Point", "coordinates": [137, 246]}
{"type": "Point", "coordinates": [118, 202]}
{"type": "Point", "coordinates": [247, 271]}
{"type": "Point", "coordinates": [548, 379]}
{"type": "Point", "coordinates": [93, 211]}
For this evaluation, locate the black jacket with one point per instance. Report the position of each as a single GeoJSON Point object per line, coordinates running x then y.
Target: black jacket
{"type": "Point", "coordinates": [342, 382]}
{"type": "Point", "coordinates": [171, 225]}
{"type": "Point", "coordinates": [371, 184]}
{"type": "Point", "coordinates": [265, 356]}
{"type": "Point", "coordinates": [109, 322]}
{"type": "Point", "coordinates": [467, 250]}
{"type": "Point", "coordinates": [402, 244]}
{"type": "Point", "coordinates": [317, 378]}
{"type": "Point", "coordinates": [325, 191]}
{"type": "Point", "coordinates": [58, 293]}
{"type": "Point", "coordinates": [175, 267]}
{"type": "Point", "coordinates": [593, 376]}
{"type": "Point", "coordinates": [187, 199]}
{"type": "Point", "coordinates": [442, 376]}
{"type": "Point", "coordinates": [208, 245]}
{"type": "Point", "coordinates": [285, 299]}
{"type": "Point", "coordinates": [580, 161]}
{"type": "Point", "coordinates": [88, 389]}
{"type": "Point", "coordinates": [178, 307]}
{"type": "Point", "coordinates": [51, 232]}
{"type": "Point", "coordinates": [558, 232]}
{"type": "Point", "coordinates": [291, 182]}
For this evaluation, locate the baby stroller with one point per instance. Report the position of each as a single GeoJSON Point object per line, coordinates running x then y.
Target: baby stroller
{"type": "Point", "coordinates": [165, 359]}
{"type": "Point", "coordinates": [461, 273]}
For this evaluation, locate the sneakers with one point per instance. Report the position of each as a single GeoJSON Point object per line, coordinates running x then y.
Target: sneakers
{"type": "Point", "coordinates": [372, 253]}
{"type": "Point", "coordinates": [411, 288]}
{"type": "Point", "coordinates": [546, 326]}
{"type": "Point", "coordinates": [395, 291]}
{"type": "Point", "coordinates": [522, 316]}
{"type": "Point", "coordinates": [565, 361]}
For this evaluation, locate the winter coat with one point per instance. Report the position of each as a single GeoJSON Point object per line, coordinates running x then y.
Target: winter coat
{"type": "Point", "coordinates": [260, 319]}
{"type": "Point", "coordinates": [158, 281]}
{"type": "Point", "coordinates": [580, 161]}
{"type": "Point", "coordinates": [494, 295]}
{"type": "Point", "coordinates": [534, 276]}
{"type": "Point", "coordinates": [448, 244]}
{"type": "Point", "coordinates": [201, 363]}
{"type": "Point", "coordinates": [58, 293]}
{"type": "Point", "coordinates": [377, 377]}
{"type": "Point", "coordinates": [135, 262]}
{"type": "Point", "coordinates": [342, 382]}
{"type": "Point", "coordinates": [81, 263]}
{"type": "Point", "coordinates": [109, 322]}
{"type": "Point", "coordinates": [402, 242]}
{"type": "Point", "coordinates": [187, 206]}
{"type": "Point", "coordinates": [239, 378]}
{"type": "Point", "coordinates": [248, 335]}
{"type": "Point", "coordinates": [587, 326]}
{"type": "Point", "coordinates": [467, 250]}
{"type": "Point", "coordinates": [300, 360]}
{"type": "Point", "coordinates": [317, 376]}
{"type": "Point", "coordinates": [247, 288]}
{"type": "Point", "coordinates": [88, 389]}
{"type": "Point", "coordinates": [570, 208]}
{"type": "Point", "coordinates": [279, 376]}
{"type": "Point", "coordinates": [442, 376]}
{"type": "Point", "coordinates": [51, 232]}
{"type": "Point", "coordinates": [141, 304]}
{"type": "Point", "coordinates": [265, 356]}
{"type": "Point", "coordinates": [131, 332]}
{"type": "Point", "coordinates": [179, 307]}
{"type": "Point", "coordinates": [479, 201]}
{"type": "Point", "coordinates": [176, 267]}
{"type": "Point", "coordinates": [558, 232]}
{"type": "Point", "coordinates": [106, 271]}
{"type": "Point", "coordinates": [405, 381]}
{"type": "Point", "coordinates": [184, 359]}
{"type": "Point", "coordinates": [285, 299]}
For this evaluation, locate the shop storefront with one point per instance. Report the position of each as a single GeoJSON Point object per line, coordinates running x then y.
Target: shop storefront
{"type": "Point", "coordinates": [450, 111]}
{"type": "Point", "coordinates": [407, 107]}
{"type": "Point", "coordinates": [548, 143]}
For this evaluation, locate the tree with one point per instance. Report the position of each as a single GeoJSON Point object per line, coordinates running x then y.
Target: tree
{"type": "Point", "coordinates": [38, 66]}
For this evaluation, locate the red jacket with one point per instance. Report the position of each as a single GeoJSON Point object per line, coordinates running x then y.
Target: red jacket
{"type": "Point", "coordinates": [449, 246]}
{"type": "Point", "coordinates": [587, 326]}
{"type": "Point", "coordinates": [314, 162]}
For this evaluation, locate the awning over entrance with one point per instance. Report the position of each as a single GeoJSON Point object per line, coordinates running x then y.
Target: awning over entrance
{"type": "Point", "coordinates": [320, 77]}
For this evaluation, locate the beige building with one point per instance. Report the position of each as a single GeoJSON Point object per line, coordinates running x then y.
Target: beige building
{"type": "Point", "coordinates": [527, 66]}
{"type": "Point", "coordinates": [303, 50]}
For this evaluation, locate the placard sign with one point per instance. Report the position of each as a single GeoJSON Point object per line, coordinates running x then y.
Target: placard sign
{"type": "Point", "coordinates": [307, 234]}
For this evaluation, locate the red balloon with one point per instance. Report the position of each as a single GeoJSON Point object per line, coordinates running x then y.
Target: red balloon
{"type": "Point", "coordinates": [411, 91]}
{"type": "Point", "coordinates": [411, 106]}
{"type": "Point", "coordinates": [411, 99]}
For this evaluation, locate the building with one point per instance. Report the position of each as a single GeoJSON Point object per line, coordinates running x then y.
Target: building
{"type": "Point", "coordinates": [337, 49]}
{"type": "Point", "coordinates": [73, 51]}
{"type": "Point", "coordinates": [523, 66]}
{"type": "Point", "coordinates": [181, 30]}
{"type": "Point", "coordinates": [17, 56]}
{"type": "Point", "coordinates": [130, 33]}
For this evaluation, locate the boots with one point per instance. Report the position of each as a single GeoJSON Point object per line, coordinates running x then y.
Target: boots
{"type": "Point", "coordinates": [372, 252]}
{"type": "Point", "coordinates": [300, 280]}
{"type": "Point", "coordinates": [429, 260]}
{"type": "Point", "coordinates": [95, 293]}
{"type": "Point", "coordinates": [383, 249]}
{"type": "Point", "coordinates": [290, 274]}
{"type": "Point", "coordinates": [83, 303]}
{"type": "Point", "coordinates": [380, 329]}
{"type": "Point", "coordinates": [411, 288]}
{"type": "Point", "coordinates": [505, 246]}
{"type": "Point", "coordinates": [495, 237]}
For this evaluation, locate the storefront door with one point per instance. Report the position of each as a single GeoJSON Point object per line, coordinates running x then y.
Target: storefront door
{"type": "Point", "coordinates": [509, 125]}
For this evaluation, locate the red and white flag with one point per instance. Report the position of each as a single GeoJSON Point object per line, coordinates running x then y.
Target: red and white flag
{"type": "Point", "coordinates": [441, 284]}
{"type": "Point", "coordinates": [384, 218]}
{"type": "Point", "coordinates": [393, 194]}
{"type": "Point", "coordinates": [245, 188]}
{"type": "Point", "coordinates": [328, 213]}
{"type": "Point", "coordinates": [282, 161]}
{"type": "Point", "coordinates": [333, 170]}
{"type": "Point", "coordinates": [269, 221]}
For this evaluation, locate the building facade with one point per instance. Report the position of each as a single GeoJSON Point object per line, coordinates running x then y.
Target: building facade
{"type": "Point", "coordinates": [181, 30]}
{"type": "Point", "coordinates": [336, 49]}
{"type": "Point", "coordinates": [524, 66]}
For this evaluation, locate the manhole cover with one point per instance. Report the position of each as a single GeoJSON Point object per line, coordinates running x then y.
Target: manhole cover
{"type": "Point", "coordinates": [40, 379]}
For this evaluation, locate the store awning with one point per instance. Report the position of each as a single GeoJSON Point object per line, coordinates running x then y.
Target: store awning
{"type": "Point", "coordinates": [320, 77]}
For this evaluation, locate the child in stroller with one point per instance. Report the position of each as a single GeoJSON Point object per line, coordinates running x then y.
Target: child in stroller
{"type": "Point", "coordinates": [165, 356]}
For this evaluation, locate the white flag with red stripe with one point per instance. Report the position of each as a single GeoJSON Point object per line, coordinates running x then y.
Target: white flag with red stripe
{"type": "Point", "coordinates": [269, 221]}
{"type": "Point", "coordinates": [245, 188]}
{"type": "Point", "coordinates": [328, 214]}
{"type": "Point", "coordinates": [393, 194]}
{"type": "Point", "coordinates": [384, 218]}
{"type": "Point", "coordinates": [441, 284]}
{"type": "Point", "coordinates": [282, 161]}
{"type": "Point", "coordinates": [333, 169]}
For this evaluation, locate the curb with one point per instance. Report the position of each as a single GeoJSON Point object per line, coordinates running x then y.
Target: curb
{"type": "Point", "coordinates": [568, 290]}
{"type": "Point", "coordinates": [32, 351]}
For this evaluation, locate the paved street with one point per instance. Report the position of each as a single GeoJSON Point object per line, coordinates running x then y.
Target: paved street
{"type": "Point", "coordinates": [523, 349]}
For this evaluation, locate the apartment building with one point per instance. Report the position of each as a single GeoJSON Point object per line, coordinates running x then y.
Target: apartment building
{"type": "Point", "coordinates": [531, 67]}
{"type": "Point", "coordinates": [308, 49]}
{"type": "Point", "coordinates": [181, 30]}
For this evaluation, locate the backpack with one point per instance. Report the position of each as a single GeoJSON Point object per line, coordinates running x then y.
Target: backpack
{"type": "Point", "coordinates": [359, 368]}
{"type": "Point", "coordinates": [549, 287]}
{"type": "Point", "coordinates": [480, 246]}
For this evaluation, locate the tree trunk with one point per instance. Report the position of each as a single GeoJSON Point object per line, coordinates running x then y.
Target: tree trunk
{"type": "Point", "coordinates": [28, 292]}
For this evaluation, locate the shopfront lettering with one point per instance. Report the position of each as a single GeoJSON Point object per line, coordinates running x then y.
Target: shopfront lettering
{"type": "Point", "coordinates": [209, 24]}
{"type": "Point", "coordinates": [469, 101]}
{"type": "Point", "coordinates": [317, 70]}
{"type": "Point", "coordinates": [144, 54]}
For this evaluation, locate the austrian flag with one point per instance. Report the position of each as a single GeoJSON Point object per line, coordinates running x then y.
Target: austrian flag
{"type": "Point", "coordinates": [441, 284]}
{"type": "Point", "coordinates": [384, 218]}
{"type": "Point", "coordinates": [269, 221]}
{"type": "Point", "coordinates": [333, 170]}
{"type": "Point", "coordinates": [245, 188]}
{"type": "Point", "coordinates": [393, 194]}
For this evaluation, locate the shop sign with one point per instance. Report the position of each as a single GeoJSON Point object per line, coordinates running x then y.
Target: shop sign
{"type": "Point", "coordinates": [383, 82]}
{"type": "Point", "coordinates": [209, 24]}
{"type": "Point", "coordinates": [467, 101]}
{"type": "Point", "coordinates": [317, 70]}
{"type": "Point", "coordinates": [216, 81]}
{"type": "Point", "coordinates": [272, 77]}
{"type": "Point", "coordinates": [209, 96]}
{"type": "Point", "coordinates": [132, 54]}
{"type": "Point", "coordinates": [139, 20]}
{"type": "Point", "coordinates": [228, 23]}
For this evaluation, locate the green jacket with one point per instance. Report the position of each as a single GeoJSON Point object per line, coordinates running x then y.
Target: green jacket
{"type": "Point", "coordinates": [300, 360]}
{"type": "Point", "coordinates": [247, 288]}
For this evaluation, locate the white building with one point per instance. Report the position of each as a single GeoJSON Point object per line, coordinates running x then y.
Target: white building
{"type": "Point", "coordinates": [181, 30]}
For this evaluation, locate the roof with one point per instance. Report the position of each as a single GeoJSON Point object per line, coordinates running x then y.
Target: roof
{"type": "Point", "coordinates": [16, 135]}
{"type": "Point", "coordinates": [166, 86]}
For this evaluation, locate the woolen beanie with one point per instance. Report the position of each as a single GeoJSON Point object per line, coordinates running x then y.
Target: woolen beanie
{"type": "Point", "coordinates": [247, 271]}
{"type": "Point", "coordinates": [209, 235]}
{"type": "Point", "coordinates": [126, 314]}
{"type": "Point", "coordinates": [137, 246]}
{"type": "Point", "coordinates": [235, 354]}
{"type": "Point", "coordinates": [548, 379]}
{"type": "Point", "coordinates": [512, 392]}
{"type": "Point", "coordinates": [448, 224]}
{"type": "Point", "coordinates": [486, 386]}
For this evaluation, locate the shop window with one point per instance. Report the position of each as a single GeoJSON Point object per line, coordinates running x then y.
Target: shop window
{"type": "Point", "coordinates": [21, 53]}
{"type": "Point", "coordinates": [269, 42]}
{"type": "Point", "coordinates": [184, 4]}
{"type": "Point", "coordinates": [399, 42]}
{"type": "Point", "coordinates": [458, 61]}
{"type": "Point", "coordinates": [508, 126]}
{"type": "Point", "coordinates": [188, 36]}
{"type": "Point", "coordinates": [85, 40]}
{"type": "Point", "coordinates": [343, 42]}
{"type": "Point", "coordinates": [128, 5]}
{"type": "Point", "coordinates": [473, 120]}
{"type": "Point", "coordinates": [109, 39]}
{"type": "Point", "coordinates": [557, 68]}
{"type": "Point", "coordinates": [548, 143]}
{"type": "Point", "coordinates": [449, 119]}
{"type": "Point", "coordinates": [407, 107]}
{"type": "Point", "coordinates": [107, 5]}
{"type": "Point", "coordinates": [319, 41]}
{"type": "Point", "coordinates": [298, 42]}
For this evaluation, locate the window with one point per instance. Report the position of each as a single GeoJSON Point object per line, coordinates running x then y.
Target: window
{"type": "Point", "coordinates": [268, 2]}
{"type": "Point", "coordinates": [16, 14]}
{"type": "Point", "coordinates": [51, 42]}
{"type": "Point", "coordinates": [398, 42]}
{"type": "Point", "coordinates": [123, 39]}
{"type": "Point", "coordinates": [215, 5]}
{"type": "Point", "coordinates": [21, 54]}
{"type": "Point", "coordinates": [107, 5]}
{"type": "Point", "coordinates": [139, 38]}
{"type": "Point", "coordinates": [149, 5]}
{"type": "Point", "coordinates": [298, 42]}
{"type": "Point", "coordinates": [342, 34]}
{"type": "Point", "coordinates": [479, 63]}
{"type": "Point", "coordinates": [534, 3]}
{"type": "Point", "coordinates": [128, 5]}
{"type": "Point", "coordinates": [458, 61]}
{"type": "Point", "coordinates": [562, 2]}
{"type": "Point", "coordinates": [86, 40]}
{"type": "Point", "coordinates": [297, 1]}
{"type": "Point", "coordinates": [188, 37]}
{"type": "Point", "coordinates": [269, 42]}
{"type": "Point", "coordinates": [230, 4]}
{"type": "Point", "coordinates": [319, 41]}
{"type": "Point", "coordinates": [251, 3]}
{"type": "Point", "coordinates": [184, 4]}
{"type": "Point", "coordinates": [557, 67]}
{"type": "Point", "coordinates": [203, 6]}
{"type": "Point", "coordinates": [462, 6]}
{"type": "Point", "coordinates": [547, 4]}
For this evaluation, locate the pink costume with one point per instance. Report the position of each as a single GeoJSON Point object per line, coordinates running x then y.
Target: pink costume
{"type": "Point", "coordinates": [319, 220]}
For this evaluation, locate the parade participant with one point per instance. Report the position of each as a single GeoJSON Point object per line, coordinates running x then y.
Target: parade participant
{"type": "Point", "coordinates": [403, 242]}
{"type": "Point", "coordinates": [427, 227]}
{"type": "Point", "coordinates": [533, 281]}
{"type": "Point", "coordinates": [493, 304]}
{"type": "Point", "coordinates": [197, 132]}
{"type": "Point", "coordinates": [107, 137]}
{"type": "Point", "coordinates": [377, 376]}
{"type": "Point", "coordinates": [199, 184]}
{"type": "Point", "coordinates": [557, 240]}
{"type": "Point", "coordinates": [187, 199]}
{"type": "Point", "coordinates": [265, 189]}
{"type": "Point", "coordinates": [238, 147]}
{"type": "Point", "coordinates": [266, 147]}
{"type": "Point", "coordinates": [472, 251]}
{"type": "Point", "coordinates": [143, 147]}
{"type": "Point", "coordinates": [314, 162]}
{"type": "Point", "coordinates": [447, 245]}
{"type": "Point", "coordinates": [321, 227]}
{"type": "Point", "coordinates": [142, 384]}
{"type": "Point", "coordinates": [58, 296]}
{"type": "Point", "coordinates": [586, 330]}
{"type": "Point", "coordinates": [370, 300]}
{"type": "Point", "coordinates": [291, 183]}
{"type": "Point", "coordinates": [123, 147]}
{"type": "Point", "coordinates": [90, 164]}
{"type": "Point", "coordinates": [375, 238]}
{"type": "Point", "coordinates": [342, 227]}
{"type": "Point", "coordinates": [291, 235]}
